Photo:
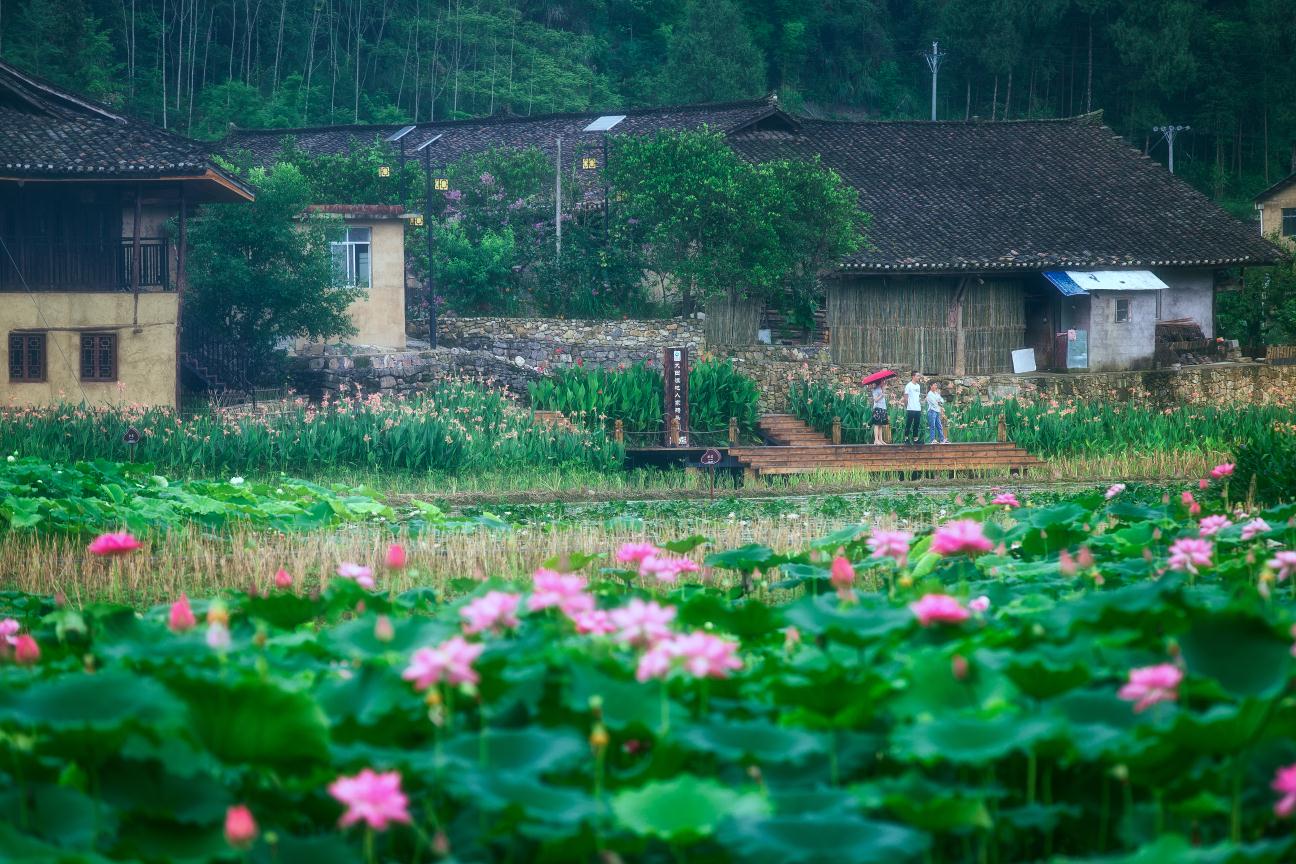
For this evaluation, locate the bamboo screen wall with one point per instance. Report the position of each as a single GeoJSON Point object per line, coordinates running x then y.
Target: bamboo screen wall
{"type": "Point", "coordinates": [909, 322]}
{"type": "Point", "coordinates": [732, 320]}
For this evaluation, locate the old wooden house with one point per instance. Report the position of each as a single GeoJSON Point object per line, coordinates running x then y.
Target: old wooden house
{"type": "Point", "coordinates": [94, 209]}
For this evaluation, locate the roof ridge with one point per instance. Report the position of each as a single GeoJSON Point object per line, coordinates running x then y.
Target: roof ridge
{"type": "Point", "coordinates": [53, 90]}
{"type": "Point", "coordinates": [764, 102]}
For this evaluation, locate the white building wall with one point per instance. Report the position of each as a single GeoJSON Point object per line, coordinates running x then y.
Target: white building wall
{"type": "Point", "coordinates": [1191, 295]}
{"type": "Point", "coordinates": [1125, 345]}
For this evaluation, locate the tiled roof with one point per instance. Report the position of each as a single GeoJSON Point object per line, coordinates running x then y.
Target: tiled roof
{"type": "Point", "coordinates": [1282, 184]}
{"type": "Point", "coordinates": [48, 132]}
{"type": "Point", "coordinates": [953, 196]}
{"type": "Point", "coordinates": [464, 137]}
{"type": "Point", "coordinates": [379, 211]}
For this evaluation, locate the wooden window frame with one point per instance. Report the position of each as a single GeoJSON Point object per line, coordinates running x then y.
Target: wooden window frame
{"type": "Point", "coordinates": [1129, 311]}
{"type": "Point", "coordinates": [98, 378]}
{"type": "Point", "coordinates": [1286, 217]}
{"type": "Point", "coordinates": [25, 378]}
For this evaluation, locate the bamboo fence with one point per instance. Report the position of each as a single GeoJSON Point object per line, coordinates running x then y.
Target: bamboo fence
{"type": "Point", "coordinates": [913, 323]}
{"type": "Point", "coordinates": [733, 320]}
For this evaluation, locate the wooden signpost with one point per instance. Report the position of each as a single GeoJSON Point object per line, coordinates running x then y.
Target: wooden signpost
{"type": "Point", "coordinates": [130, 438]}
{"type": "Point", "coordinates": [675, 368]}
{"type": "Point", "coordinates": [710, 459]}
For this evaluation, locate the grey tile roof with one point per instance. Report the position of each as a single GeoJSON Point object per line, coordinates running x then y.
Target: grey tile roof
{"type": "Point", "coordinates": [46, 131]}
{"type": "Point", "coordinates": [1017, 195]}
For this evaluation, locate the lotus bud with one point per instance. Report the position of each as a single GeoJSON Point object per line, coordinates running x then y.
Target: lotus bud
{"type": "Point", "coordinates": [259, 640]}
{"type": "Point", "coordinates": [396, 557]}
{"type": "Point", "coordinates": [433, 697]}
{"type": "Point", "coordinates": [60, 599]}
{"type": "Point", "coordinates": [26, 651]}
{"type": "Point", "coordinates": [791, 638]}
{"type": "Point", "coordinates": [1066, 564]}
{"type": "Point", "coordinates": [240, 827]}
{"type": "Point", "coordinates": [360, 607]}
{"type": "Point", "coordinates": [754, 772]}
{"type": "Point", "coordinates": [959, 667]}
{"type": "Point", "coordinates": [283, 579]}
{"type": "Point", "coordinates": [905, 581]}
{"type": "Point", "coordinates": [596, 705]}
{"type": "Point", "coordinates": [598, 738]}
{"type": "Point", "coordinates": [440, 844]}
{"type": "Point", "coordinates": [1084, 558]}
{"type": "Point", "coordinates": [1120, 773]}
{"type": "Point", "coordinates": [88, 664]}
{"type": "Point", "coordinates": [383, 630]}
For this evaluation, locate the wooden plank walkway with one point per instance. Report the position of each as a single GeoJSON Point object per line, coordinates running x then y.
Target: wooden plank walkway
{"type": "Point", "coordinates": [797, 459]}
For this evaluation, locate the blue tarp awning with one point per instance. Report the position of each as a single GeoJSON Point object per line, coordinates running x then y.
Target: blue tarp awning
{"type": "Point", "coordinates": [1073, 283]}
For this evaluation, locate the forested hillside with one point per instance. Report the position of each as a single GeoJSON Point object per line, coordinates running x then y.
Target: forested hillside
{"type": "Point", "coordinates": [1226, 68]}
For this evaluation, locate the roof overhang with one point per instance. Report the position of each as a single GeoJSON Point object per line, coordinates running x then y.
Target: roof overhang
{"type": "Point", "coordinates": [1073, 283]}
{"type": "Point", "coordinates": [209, 186]}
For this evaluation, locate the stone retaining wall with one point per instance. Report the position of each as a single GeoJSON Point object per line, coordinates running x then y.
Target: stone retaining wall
{"type": "Point", "coordinates": [341, 369]}
{"type": "Point", "coordinates": [515, 351]}
{"type": "Point", "coordinates": [547, 342]}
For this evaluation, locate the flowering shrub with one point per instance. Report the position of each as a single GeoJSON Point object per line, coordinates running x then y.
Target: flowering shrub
{"type": "Point", "coordinates": [456, 426]}
{"type": "Point", "coordinates": [1045, 684]}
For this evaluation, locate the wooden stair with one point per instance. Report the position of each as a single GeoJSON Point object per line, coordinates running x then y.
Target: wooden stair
{"type": "Point", "coordinates": [785, 430]}
{"type": "Point", "coordinates": [874, 458]}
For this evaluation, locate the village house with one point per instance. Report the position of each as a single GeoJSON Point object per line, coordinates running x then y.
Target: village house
{"type": "Point", "coordinates": [94, 208]}
{"type": "Point", "coordinates": [1277, 208]}
{"type": "Point", "coordinates": [984, 239]}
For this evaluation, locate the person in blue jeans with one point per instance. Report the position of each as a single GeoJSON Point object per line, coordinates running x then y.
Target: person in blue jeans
{"type": "Point", "coordinates": [935, 412]}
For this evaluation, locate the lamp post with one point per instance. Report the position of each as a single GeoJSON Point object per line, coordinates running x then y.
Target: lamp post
{"type": "Point", "coordinates": [604, 124]}
{"type": "Point", "coordinates": [426, 147]}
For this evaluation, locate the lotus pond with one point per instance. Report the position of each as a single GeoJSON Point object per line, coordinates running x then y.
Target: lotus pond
{"type": "Point", "coordinates": [1105, 678]}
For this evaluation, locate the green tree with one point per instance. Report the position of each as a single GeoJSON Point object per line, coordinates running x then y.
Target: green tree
{"type": "Point", "coordinates": [260, 275]}
{"type": "Point", "coordinates": [715, 225]}
{"type": "Point", "coordinates": [711, 56]}
{"type": "Point", "coordinates": [1262, 311]}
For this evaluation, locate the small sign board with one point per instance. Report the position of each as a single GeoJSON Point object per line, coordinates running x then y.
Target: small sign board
{"type": "Point", "coordinates": [1023, 360]}
{"type": "Point", "coordinates": [675, 369]}
{"type": "Point", "coordinates": [131, 436]}
{"type": "Point", "coordinates": [1077, 351]}
{"type": "Point", "coordinates": [710, 457]}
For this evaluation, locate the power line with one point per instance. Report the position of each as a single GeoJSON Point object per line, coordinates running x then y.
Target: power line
{"type": "Point", "coordinates": [1168, 134]}
{"type": "Point", "coordinates": [934, 58]}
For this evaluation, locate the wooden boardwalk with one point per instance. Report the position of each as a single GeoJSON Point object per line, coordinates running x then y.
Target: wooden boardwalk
{"type": "Point", "coordinates": [963, 456]}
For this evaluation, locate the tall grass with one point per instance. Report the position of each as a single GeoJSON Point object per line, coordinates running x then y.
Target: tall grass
{"type": "Point", "coordinates": [455, 427]}
{"type": "Point", "coordinates": [1071, 428]}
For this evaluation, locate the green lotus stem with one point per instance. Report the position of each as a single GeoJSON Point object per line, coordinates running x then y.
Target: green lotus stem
{"type": "Point", "coordinates": [1031, 767]}
{"type": "Point", "coordinates": [1235, 813]}
{"type": "Point", "coordinates": [369, 846]}
{"type": "Point", "coordinates": [1104, 814]}
{"type": "Point", "coordinates": [1128, 795]}
{"type": "Point", "coordinates": [665, 711]}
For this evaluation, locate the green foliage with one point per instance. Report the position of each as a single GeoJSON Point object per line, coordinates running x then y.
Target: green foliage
{"type": "Point", "coordinates": [710, 56]}
{"type": "Point", "coordinates": [636, 397]}
{"type": "Point", "coordinates": [716, 225]}
{"type": "Point", "coordinates": [1263, 310]}
{"type": "Point", "coordinates": [454, 427]}
{"type": "Point", "coordinates": [858, 736]}
{"type": "Point", "coordinates": [1086, 427]}
{"type": "Point", "coordinates": [259, 275]}
{"type": "Point", "coordinates": [1266, 462]}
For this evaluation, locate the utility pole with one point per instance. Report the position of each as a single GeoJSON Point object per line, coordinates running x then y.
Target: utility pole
{"type": "Point", "coordinates": [1168, 135]}
{"type": "Point", "coordinates": [426, 147]}
{"type": "Point", "coordinates": [933, 59]}
{"type": "Point", "coordinates": [558, 206]}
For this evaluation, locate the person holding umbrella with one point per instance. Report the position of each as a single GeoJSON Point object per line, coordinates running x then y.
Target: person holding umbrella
{"type": "Point", "coordinates": [881, 417]}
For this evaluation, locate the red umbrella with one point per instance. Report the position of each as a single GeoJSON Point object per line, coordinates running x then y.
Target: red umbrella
{"type": "Point", "coordinates": [878, 376]}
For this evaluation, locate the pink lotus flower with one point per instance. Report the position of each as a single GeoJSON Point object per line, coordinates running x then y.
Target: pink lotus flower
{"type": "Point", "coordinates": [451, 661]}
{"type": "Point", "coordinates": [1189, 553]}
{"type": "Point", "coordinates": [1066, 564]}
{"type": "Point", "coordinates": [635, 553]}
{"type": "Point", "coordinates": [595, 622]}
{"type": "Point", "coordinates": [939, 609]}
{"type": "Point", "coordinates": [566, 591]}
{"type": "Point", "coordinates": [1254, 528]}
{"type": "Point", "coordinates": [497, 610]}
{"type": "Point", "coordinates": [396, 557]}
{"type": "Point", "coordinates": [26, 651]}
{"type": "Point", "coordinates": [960, 536]}
{"type": "Point", "coordinates": [666, 570]}
{"type": "Point", "coordinates": [180, 617]}
{"type": "Point", "coordinates": [283, 579]}
{"type": "Point", "coordinates": [240, 827]}
{"type": "Point", "coordinates": [1007, 499]}
{"type": "Point", "coordinates": [698, 654]}
{"type": "Point", "coordinates": [1284, 783]}
{"type": "Point", "coordinates": [1114, 490]}
{"type": "Point", "coordinates": [9, 628]}
{"type": "Point", "coordinates": [843, 576]}
{"type": "Point", "coordinates": [1203, 483]}
{"type": "Point", "coordinates": [959, 667]}
{"type": "Point", "coordinates": [384, 630]}
{"type": "Point", "coordinates": [358, 573]}
{"type": "Point", "coordinates": [980, 604]}
{"type": "Point", "coordinates": [1212, 525]}
{"type": "Point", "coordinates": [1284, 562]}
{"type": "Point", "coordinates": [890, 544]}
{"type": "Point", "coordinates": [1222, 470]}
{"type": "Point", "coordinates": [1151, 684]}
{"type": "Point", "coordinates": [643, 624]}
{"type": "Point", "coordinates": [372, 798]}
{"type": "Point", "coordinates": [107, 545]}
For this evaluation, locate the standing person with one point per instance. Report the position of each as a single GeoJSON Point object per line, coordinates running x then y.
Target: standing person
{"type": "Point", "coordinates": [913, 410]}
{"type": "Point", "coordinates": [935, 414]}
{"type": "Point", "coordinates": [880, 416]}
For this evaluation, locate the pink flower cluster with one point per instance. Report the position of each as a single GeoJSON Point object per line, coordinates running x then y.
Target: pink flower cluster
{"type": "Point", "coordinates": [1284, 783]}
{"type": "Point", "coordinates": [451, 661]}
{"type": "Point", "coordinates": [372, 798]}
{"type": "Point", "coordinates": [642, 624]}
{"type": "Point", "coordinates": [357, 573]}
{"type": "Point", "coordinates": [939, 609]}
{"type": "Point", "coordinates": [1149, 685]}
{"type": "Point", "coordinates": [23, 646]}
{"type": "Point", "coordinates": [1255, 528]}
{"type": "Point", "coordinates": [111, 545]}
{"type": "Point", "coordinates": [962, 536]}
{"type": "Point", "coordinates": [654, 562]}
{"type": "Point", "coordinates": [1189, 553]}
{"type": "Point", "coordinates": [562, 591]}
{"type": "Point", "coordinates": [1114, 490]}
{"type": "Point", "coordinates": [1212, 525]}
{"type": "Point", "coordinates": [697, 654]}
{"type": "Point", "coordinates": [494, 611]}
{"type": "Point", "coordinates": [1006, 499]}
{"type": "Point", "coordinates": [890, 544]}
{"type": "Point", "coordinates": [1284, 563]}
{"type": "Point", "coordinates": [1222, 470]}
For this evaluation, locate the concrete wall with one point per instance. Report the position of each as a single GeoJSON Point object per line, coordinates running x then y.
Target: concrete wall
{"type": "Point", "coordinates": [1191, 295]}
{"type": "Point", "coordinates": [339, 369]}
{"type": "Point", "coordinates": [1125, 345]}
{"type": "Point", "coordinates": [1271, 215]}
{"type": "Point", "coordinates": [548, 342]}
{"type": "Point", "coordinates": [379, 317]}
{"type": "Point", "coordinates": [146, 359]}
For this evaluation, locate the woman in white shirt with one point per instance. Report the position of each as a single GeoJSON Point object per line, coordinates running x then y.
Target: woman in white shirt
{"type": "Point", "coordinates": [935, 411]}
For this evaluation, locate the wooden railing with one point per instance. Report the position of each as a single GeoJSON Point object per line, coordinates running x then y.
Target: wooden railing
{"type": "Point", "coordinates": [48, 265]}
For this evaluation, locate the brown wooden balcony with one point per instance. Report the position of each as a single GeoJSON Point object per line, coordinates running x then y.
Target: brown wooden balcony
{"type": "Point", "coordinates": [46, 265]}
